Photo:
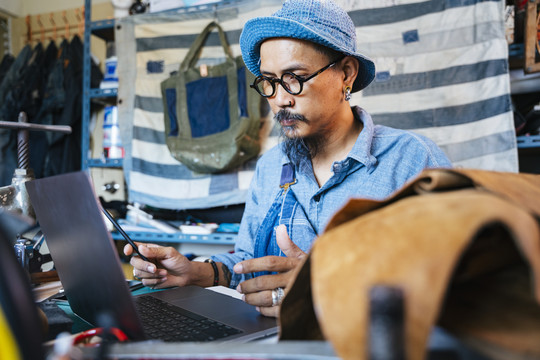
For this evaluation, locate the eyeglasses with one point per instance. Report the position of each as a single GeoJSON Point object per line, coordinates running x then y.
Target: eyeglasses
{"type": "Point", "coordinates": [292, 83]}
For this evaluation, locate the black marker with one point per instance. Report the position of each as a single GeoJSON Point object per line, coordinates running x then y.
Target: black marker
{"type": "Point", "coordinates": [123, 233]}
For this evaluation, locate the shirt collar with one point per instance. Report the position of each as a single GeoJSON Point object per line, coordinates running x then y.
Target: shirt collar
{"type": "Point", "coordinates": [361, 150]}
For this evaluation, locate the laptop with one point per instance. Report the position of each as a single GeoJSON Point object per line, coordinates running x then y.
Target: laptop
{"type": "Point", "coordinates": [89, 268]}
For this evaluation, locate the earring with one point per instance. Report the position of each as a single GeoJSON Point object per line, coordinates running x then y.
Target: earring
{"type": "Point", "coordinates": [347, 93]}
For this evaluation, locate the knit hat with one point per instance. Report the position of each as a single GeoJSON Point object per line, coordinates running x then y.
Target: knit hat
{"type": "Point", "coordinates": [319, 21]}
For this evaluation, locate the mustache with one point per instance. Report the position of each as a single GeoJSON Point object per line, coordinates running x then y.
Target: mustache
{"type": "Point", "coordinates": [287, 115]}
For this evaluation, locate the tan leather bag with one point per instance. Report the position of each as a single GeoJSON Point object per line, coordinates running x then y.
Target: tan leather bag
{"type": "Point", "coordinates": [463, 245]}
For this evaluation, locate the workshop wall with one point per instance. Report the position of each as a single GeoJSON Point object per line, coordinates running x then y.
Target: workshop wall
{"type": "Point", "coordinates": [33, 7]}
{"type": "Point", "coordinates": [46, 26]}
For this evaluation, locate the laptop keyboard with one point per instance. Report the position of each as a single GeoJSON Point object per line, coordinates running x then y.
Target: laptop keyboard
{"type": "Point", "coordinates": [167, 322]}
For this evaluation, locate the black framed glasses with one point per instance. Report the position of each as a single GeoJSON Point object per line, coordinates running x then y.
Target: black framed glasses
{"type": "Point", "coordinates": [292, 83]}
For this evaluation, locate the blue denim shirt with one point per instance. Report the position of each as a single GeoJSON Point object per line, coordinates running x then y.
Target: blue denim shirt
{"type": "Point", "coordinates": [380, 162]}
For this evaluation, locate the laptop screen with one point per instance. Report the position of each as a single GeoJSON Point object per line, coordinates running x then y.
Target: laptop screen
{"type": "Point", "coordinates": [83, 251]}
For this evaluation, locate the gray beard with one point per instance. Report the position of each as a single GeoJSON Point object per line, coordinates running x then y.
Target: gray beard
{"type": "Point", "coordinates": [297, 149]}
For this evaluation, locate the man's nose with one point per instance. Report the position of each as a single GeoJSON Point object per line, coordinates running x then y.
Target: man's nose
{"type": "Point", "coordinates": [282, 98]}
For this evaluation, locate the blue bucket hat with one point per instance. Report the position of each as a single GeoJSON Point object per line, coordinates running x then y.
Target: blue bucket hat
{"type": "Point", "coordinates": [319, 21]}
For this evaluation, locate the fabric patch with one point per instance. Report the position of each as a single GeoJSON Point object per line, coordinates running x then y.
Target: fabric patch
{"type": "Point", "coordinates": [410, 36]}
{"type": "Point", "coordinates": [154, 67]}
{"type": "Point", "coordinates": [382, 76]}
{"type": "Point", "coordinates": [208, 106]}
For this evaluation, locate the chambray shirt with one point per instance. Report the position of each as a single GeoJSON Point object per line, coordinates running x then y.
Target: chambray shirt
{"type": "Point", "coordinates": [381, 161]}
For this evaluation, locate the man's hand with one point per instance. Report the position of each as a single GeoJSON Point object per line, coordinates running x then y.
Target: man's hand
{"type": "Point", "coordinates": [258, 291]}
{"type": "Point", "coordinates": [167, 267]}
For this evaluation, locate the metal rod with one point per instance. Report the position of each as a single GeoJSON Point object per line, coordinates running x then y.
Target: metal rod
{"type": "Point", "coordinates": [35, 127]}
{"type": "Point", "coordinates": [23, 148]}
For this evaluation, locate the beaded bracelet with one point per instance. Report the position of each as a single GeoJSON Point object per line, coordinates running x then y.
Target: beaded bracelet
{"type": "Point", "coordinates": [216, 272]}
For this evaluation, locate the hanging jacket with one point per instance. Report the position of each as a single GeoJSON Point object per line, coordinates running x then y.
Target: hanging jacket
{"type": "Point", "coordinates": [65, 149]}
{"type": "Point", "coordinates": [14, 71]}
{"type": "Point", "coordinates": [21, 96]}
{"type": "Point", "coordinates": [35, 106]}
{"type": "Point", "coordinates": [8, 151]}
{"type": "Point", "coordinates": [6, 63]}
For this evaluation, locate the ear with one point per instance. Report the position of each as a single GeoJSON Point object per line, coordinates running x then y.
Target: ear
{"type": "Point", "coordinates": [350, 67]}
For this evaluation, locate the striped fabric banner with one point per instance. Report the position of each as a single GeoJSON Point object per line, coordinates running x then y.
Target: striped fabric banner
{"type": "Point", "coordinates": [441, 71]}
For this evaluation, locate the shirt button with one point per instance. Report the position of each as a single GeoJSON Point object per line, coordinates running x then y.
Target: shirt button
{"type": "Point", "coordinates": [317, 198]}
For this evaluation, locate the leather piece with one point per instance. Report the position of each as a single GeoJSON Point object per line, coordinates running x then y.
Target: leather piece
{"type": "Point", "coordinates": [442, 238]}
{"type": "Point", "coordinates": [521, 188]}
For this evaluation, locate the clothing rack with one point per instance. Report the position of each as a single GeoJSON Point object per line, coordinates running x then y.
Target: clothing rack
{"type": "Point", "coordinates": [60, 25]}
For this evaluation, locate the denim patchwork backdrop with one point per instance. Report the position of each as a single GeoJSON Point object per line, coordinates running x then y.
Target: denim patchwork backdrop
{"type": "Point", "coordinates": [441, 71]}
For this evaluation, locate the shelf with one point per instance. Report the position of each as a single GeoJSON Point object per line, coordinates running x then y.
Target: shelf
{"type": "Point", "coordinates": [103, 29]}
{"type": "Point", "coordinates": [210, 239]}
{"type": "Point", "coordinates": [103, 93]}
{"type": "Point", "coordinates": [528, 142]}
{"type": "Point", "coordinates": [105, 163]}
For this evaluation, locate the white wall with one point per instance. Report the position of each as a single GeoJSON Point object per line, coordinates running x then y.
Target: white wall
{"type": "Point", "coordinates": [11, 7]}
{"type": "Point", "coordinates": [21, 8]}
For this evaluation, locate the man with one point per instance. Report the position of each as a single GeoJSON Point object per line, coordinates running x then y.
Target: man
{"type": "Point", "coordinates": [307, 66]}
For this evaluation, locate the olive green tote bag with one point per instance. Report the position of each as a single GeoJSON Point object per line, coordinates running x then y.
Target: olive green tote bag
{"type": "Point", "coordinates": [212, 119]}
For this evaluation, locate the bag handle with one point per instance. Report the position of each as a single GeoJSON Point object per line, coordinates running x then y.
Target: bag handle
{"type": "Point", "coordinates": [194, 51]}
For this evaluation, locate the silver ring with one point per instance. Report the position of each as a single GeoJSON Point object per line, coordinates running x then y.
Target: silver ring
{"type": "Point", "coordinates": [277, 296]}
